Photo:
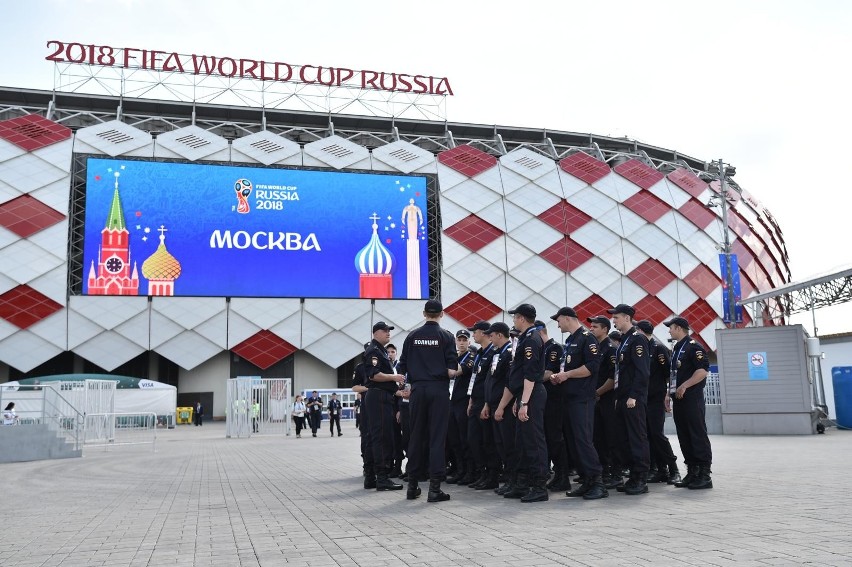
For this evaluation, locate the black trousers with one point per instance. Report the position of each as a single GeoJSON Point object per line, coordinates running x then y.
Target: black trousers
{"type": "Point", "coordinates": [300, 423]}
{"type": "Point", "coordinates": [661, 449]}
{"type": "Point", "coordinates": [457, 434]}
{"type": "Point", "coordinates": [332, 419]}
{"type": "Point", "coordinates": [314, 418]}
{"type": "Point", "coordinates": [553, 435]}
{"type": "Point", "coordinates": [380, 407]}
{"type": "Point", "coordinates": [633, 435]}
{"type": "Point", "coordinates": [692, 429]}
{"type": "Point", "coordinates": [430, 416]}
{"type": "Point", "coordinates": [530, 438]}
{"type": "Point", "coordinates": [366, 447]}
{"type": "Point", "coordinates": [579, 419]}
{"type": "Point", "coordinates": [480, 439]}
{"type": "Point", "coordinates": [606, 433]}
{"type": "Point", "coordinates": [505, 438]}
{"type": "Point", "coordinates": [198, 417]}
{"type": "Point", "coordinates": [405, 425]}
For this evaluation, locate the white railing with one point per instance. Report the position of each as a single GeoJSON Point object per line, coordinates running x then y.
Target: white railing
{"type": "Point", "coordinates": [255, 405]}
{"type": "Point", "coordinates": [114, 429]}
{"type": "Point", "coordinates": [712, 390]}
{"type": "Point", "coordinates": [46, 404]}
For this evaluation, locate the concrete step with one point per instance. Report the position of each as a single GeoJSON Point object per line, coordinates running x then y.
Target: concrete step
{"type": "Point", "coordinates": [20, 443]}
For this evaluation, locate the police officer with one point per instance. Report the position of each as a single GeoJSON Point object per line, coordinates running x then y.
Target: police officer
{"type": "Point", "coordinates": [314, 411]}
{"type": "Point", "coordinates": [359, 385]}
{"type": "Point", "coordinates": [689, 367]}
{"type": "Point", "coordinates": [556, 450]}
{"type": "Point", "coordinates": [578, 382]}
{"type": "Point", "coordinates": [658, 404]}
{"type": "Point", "coordinates": [429, 358]}
{"type": "Point", "coordinates": [631, 395]}
{"type": "Point", "coordinates": [502, 422]}
{"type": "Point", "coordinates": [400, 440]}
{"type": "Point", "coordinates": [606, 435]}
{"type": "Point", "coordinates": [524, 389]}
{"type": "Point", "coordinates": [480, 436]}
{"type": "Point", "coordinates": [380, 405]}
{"type": "Point", "coordinates": [457, 431]}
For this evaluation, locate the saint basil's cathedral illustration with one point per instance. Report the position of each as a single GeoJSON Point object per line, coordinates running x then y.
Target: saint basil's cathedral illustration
{"type": "Point", "coordinates": [114, 276]}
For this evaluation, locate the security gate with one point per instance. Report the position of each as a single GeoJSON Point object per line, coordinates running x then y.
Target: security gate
{"type": "Point", "coordinates": [257, 406]}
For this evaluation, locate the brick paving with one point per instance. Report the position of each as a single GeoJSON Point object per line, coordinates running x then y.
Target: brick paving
{"type": "Point", "coordinates": [202, 499]}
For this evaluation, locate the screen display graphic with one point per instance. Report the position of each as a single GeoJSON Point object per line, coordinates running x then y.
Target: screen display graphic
{"type": "Point", "coordinates": [201, 229]}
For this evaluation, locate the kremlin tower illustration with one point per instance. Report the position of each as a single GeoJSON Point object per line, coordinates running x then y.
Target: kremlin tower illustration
{"type": "Point", "coordinates": [375, 264]}
{"type": "Point", "coordinates": [114, 276]}
{"type": "Point", "coordinates": [161, 269]}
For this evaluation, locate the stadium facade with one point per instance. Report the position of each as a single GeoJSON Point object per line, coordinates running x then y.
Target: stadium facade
{"type": "Point", "coordinates": [521, 215]}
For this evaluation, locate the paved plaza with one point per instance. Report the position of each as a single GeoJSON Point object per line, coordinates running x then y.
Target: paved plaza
{"type": "Point", "coordinates": [202, 499]}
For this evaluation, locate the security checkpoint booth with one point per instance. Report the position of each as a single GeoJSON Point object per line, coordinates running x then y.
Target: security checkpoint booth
{"type": "Point", "coordinates": [256, 405]}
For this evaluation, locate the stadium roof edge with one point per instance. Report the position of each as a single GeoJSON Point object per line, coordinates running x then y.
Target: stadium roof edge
{"type": "Point", "coordinates": [11, 96]}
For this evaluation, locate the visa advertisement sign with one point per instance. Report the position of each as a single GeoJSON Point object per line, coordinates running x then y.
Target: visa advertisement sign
{"type": "Point", "coordinates": [205, 229]}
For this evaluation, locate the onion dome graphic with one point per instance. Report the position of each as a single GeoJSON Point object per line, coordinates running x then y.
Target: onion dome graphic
{"type": "Point", "coordinates": [375, 264]}
{"type": "Point", "coordinates": [374, 258]}
{"type": "Point", "coordinates": [161, 269]}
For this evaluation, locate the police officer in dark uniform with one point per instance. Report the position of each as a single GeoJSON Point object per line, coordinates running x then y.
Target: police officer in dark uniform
{"type": "Point", "coordinates": [502, 423]}
{"type": "Point", "coordinates": [556, 450]}
{"type": "Point", "coordinates": [658, 404]}
{"type": "Point", "coordinates": [400, 441]}
{"type": "Point", "coordinates": [631, 393]}
{"type": "Point", "coordinates": [524, 389]}
{"type": "Point", "coordinates": [359, 385]}
{"type": "Point", "coordinates": [578, 382]}
{"type": "Point", "coordinates": [689, 367]}
{"type": "Point", "coordinates": [380, 405]}
{"type": "Point", "coordinates": [457, 431]}
{"type": "Point", "coordinates": [429, 359]}
{"type": "Point", "coordinates": [480, 436]}
{"type": "Point", "coordinates": [606, 435]}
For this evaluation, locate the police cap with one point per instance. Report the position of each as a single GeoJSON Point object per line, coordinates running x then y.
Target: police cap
{"type": "Point", "coordinates": [622, 308]}
{"type": "Point", "coordinates": [679, 321]}
{"type": "Point", "coordinates": [566, 311]}
{"type": "Point", "coordinates": [645, 326]}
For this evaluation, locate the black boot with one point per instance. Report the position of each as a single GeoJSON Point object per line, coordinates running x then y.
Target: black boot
{"type": "Point", "coordinates": [674, 474]}
{"type": "Point", "coordinates": [520, 489]}
{"type": "Point", "coordinates": [483, 474]}
{"type": "Point", "coordinates": [469, 476]}
{"type": "Point", "coordinates": [513, 480]}
{"type": "Point", "coordinates": [435, 492]}
{"type": "Point", "coordinates": [640, 485]}
{"type": "Point", "coordinates": [702, 480]}
{"type": "Point", "coordinates": [597, 489]}
{"type": "Point", "coordinates": [383, 482]}
{"type": "Point", "coordinates": [691, 473]}
{"type": "Point", "coordinates": [555, 481]}
{"type": "Point", "coordinates": [413, 491]}
{"type": "Point", "coordinates": [397, 470]}
{"type": "Point", "coordinates": [490, 481]}
{"type": "Point", "coordinates": [658, 475]}
{"type": "Point", "coordinates": [537, 492]}
{"type": "Point", "coordinates": [456, 477]}
{"type": "Point", "coordinates": [614, 479]}
{"type": "Point", "coordinates": [582, 489]}
{"type": "Point", "coordinates": [369, 478]}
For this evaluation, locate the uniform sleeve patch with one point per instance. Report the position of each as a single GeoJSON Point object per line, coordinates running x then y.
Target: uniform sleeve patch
{"type": "Point", "coordinates": [553, 356]}
{"type": "Point", "coordinates": [375, 361]}
{"type": "Point", "coordinates": [528, 352]}
{"type": "Point", "coordinates": [612, 359]}
{"type": "Point", "coordinates": [639, 350]}
{"type": "Point", "coordinates": [699, 354]}
{"type": "Point", "coordinates": [661, 359]}
{"type": "Point", "coordinates": [593, 348]}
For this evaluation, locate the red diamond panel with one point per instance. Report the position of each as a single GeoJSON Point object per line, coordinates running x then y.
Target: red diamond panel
{"type": "Point", "coordinates": [264, 348]}
{"type": "Point", "coordinates": [700, 215]}
{"type": "Point", "coordinates": [652, 309]}
{"type": "Point", "coordinates": [733, 194]}
{"type": "Point", "coordinates": [585, 167]}
{"type": "Point", "coordinates": [688, 181]}
{"type": "Point", "coordinates": [473, 233]}
{"type": "Point", "coordinates": [699, 314]}
{"type": "Point", "coordinates": [638, 173]}
{"type": "Point", "coordinates": [566, 254]}
{"type": "Point", "coordinates": [27, 215]}
{"type": "Point", "coordinates": [467, 160]}
{"type": "Point", "coordinates": [744, 256]}
{"type": "Point", "coordinates": [652, 276]}
{"type": "Point", "coordinates": [32, 132]}
{"type": "Point", "coordinates": [472, 308]}
{"type": "Point", "coordinates": [647, 205]}
{"type": "Point", "coordinates": [702, 281]}
{"type": "Point", "coordinates": [591, 307]}
{"type": "Point", "coordinates": [564, 217]}
{"type": "Point", "coordinates": [23, 306]}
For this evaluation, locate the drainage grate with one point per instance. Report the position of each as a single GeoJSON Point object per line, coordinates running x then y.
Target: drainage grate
{"type": "Point", "coordinates": [337, 150]}
{"type": "Point", "coordinates": [114, 136]}
{"type": "Point", "coordinates": [403, 155]}
{"type": "Point", "coordinates": [193, 141]}
{"type": "Point", "coordinates": [267, 146]}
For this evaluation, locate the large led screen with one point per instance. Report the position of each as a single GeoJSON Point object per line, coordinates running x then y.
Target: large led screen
{"type": "Point", "coordinates": [204, 229]}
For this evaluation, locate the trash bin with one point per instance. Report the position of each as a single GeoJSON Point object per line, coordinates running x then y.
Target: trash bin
{"type": "Point", "coordinates": [184, 415]}
{"type": "Point", "coordinates": [841, 377]}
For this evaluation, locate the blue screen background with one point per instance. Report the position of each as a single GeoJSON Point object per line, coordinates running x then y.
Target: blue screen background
{"type": "Point", "coordinates": [193, 200]}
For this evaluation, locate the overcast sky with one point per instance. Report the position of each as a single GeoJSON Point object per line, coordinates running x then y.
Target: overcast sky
{"type": "Point", "coordinates": [762, 84]}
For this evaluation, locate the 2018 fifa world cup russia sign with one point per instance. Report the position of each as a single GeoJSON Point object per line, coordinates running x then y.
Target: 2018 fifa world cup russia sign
{"type": "Point", "coordinates": [241, 68]}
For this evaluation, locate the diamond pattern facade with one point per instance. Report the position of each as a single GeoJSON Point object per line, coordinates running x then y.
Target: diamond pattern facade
{"type": "Point", "coordinates": [519, 227]}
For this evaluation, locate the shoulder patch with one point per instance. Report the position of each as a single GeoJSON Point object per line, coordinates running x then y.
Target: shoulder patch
{"type": "Point", "coordinates": [640, 350]}
{"type": "Point", "coordinates": [553, 356]}
{"type": "Point", "coordinates": [593, 348]}
{"type": "Point", "coordinates": [662, 359]}
{"type": "Point", "coordinates": [699, 354]}
{"type": "Point", "coordinates": [528, 352]}
{"type": "Point", "coordinates": [375, 361]}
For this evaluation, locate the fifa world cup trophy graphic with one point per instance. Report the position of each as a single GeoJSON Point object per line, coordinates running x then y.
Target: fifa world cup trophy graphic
{"type": "Point", "coordinates": [243, 189]}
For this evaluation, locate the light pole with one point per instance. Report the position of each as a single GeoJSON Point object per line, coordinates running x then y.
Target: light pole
{"type": "Point", "coordinates": [730, 300]}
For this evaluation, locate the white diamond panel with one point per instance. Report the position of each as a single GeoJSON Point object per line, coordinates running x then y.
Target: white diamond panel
{"type": "Point", "coordinates": [670, 193]}
{"type": "Point", "coordinates": [404, 156]}
{"type": "Point", "coordinates": [313, 329]}
{"type": "Point", "coordinates": [266, 147]}
{"type": "Point", "coordinates": [215, 330]}
{"type": "Point", "coordinates": [537, 273]}
{"type": "Point", "coordinates": [337, 312]}
{"type": "Point", "coordinates": [188, 312]}
{"type": "Point", "coordinates": [336, 349]}
{"type": "Point", "coordinates": [240, 328]}
{"type": "Point", "coordinates": [55, 195]}
{"type": "Point", "coordinates": [592, 202]}
{"type": "Point", "coordinates": [536, 235]}
{"type": "Point", "coordinates": [453, 252]}
{"type": "Point", "coordinates": [451, 291]}
{"type": "Point", "coordinates": [53, 239]}
{"type": "Point", "coordinates": [495, 252]}
{"type": "Point", "coordinates": [192, 143]}
{"type": "Point", "coordinates": [534, 199]}
{"type": "Point", "coordinates": [337, 152]}
{"type": "Point", "coordinates": [651, 240]}
{"type": "Point", "coordinates": [9, 150]}
{"type": "Point", "coordinates": [471, 196]}
{"type": "Point", "coordinates": [405, 314]}
{"type": "Point", "coordinates": [449, 177]}
{"type": "Point", "coordinates": [527, 163]}
{"type": "Point", "coordinates": [677, 296]}
{"type": "Point", "coordinates": [290, 329]}
{"type": "Point", "coordinates": [137, 330]}
{"type": "Point", "coordinates": [595, 274]}
{"type": "Point", "coordinates": [114, 137]}
{"type": "Point", "coordinates": [616, 187]}
{"type": "Point", "coordinates": [570, 184]}
{"type": "Point", "coordinates": [109, 350]}
{"type": "Point", "coordinates": [26, 173]}
{"type": "Point", "coordinates": [188, 350]}
{"type": "Point", "coordinates": [7, 192]}
{"type": "Point", "coordinates": [474, 272]}
{"type": "Point", "coordinates": [624, 290]}
{"type": "Point", "coordinates": [53, 329]}
{"type": "Point", "coordinates": [511, 181]}
{"type": "Point", "coordinates": [24, 350]}
{"type": "Point", "coordinates": [107, 311]}
{"type": "Point", "coordinates": [162, 329]}
{"type": "Point", "coordinates": [491, 178]}
{"type": "Point", "coordinates": [577, 292]}
{"type": "Point", "coordinates": [264, 312]}
{"type": "Point", "coordinates": [504, 215]}
{"type": "Point", "coordinates": [24, 261]}
{"type": "Point", "coordinates": [58, 155]}
{"type": "Point", "coordinates": [595, 238]}
{"type": "Point", "coordinates": [551, 182]}
{"type": "Point", "coordinates": [53, 284]}
{"type": "Point", "coordinates": [451, 213]}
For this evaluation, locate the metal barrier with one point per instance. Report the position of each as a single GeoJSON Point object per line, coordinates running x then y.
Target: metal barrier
{"type": "Point", "coordinates": [114, 429]}
{"type": "Point", "coordinates": [712, 390]}
{"type": "Point", "coordinates": [257, 405]}
{"type": "Point", "coordinates": [46, 404]}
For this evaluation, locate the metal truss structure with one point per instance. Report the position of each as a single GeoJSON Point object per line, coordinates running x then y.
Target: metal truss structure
{"type": "Point", "coordinates": [822, 291]}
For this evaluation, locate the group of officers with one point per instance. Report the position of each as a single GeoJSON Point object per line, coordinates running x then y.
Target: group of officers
{"type": "Point", "coordinates": [518, 401]}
